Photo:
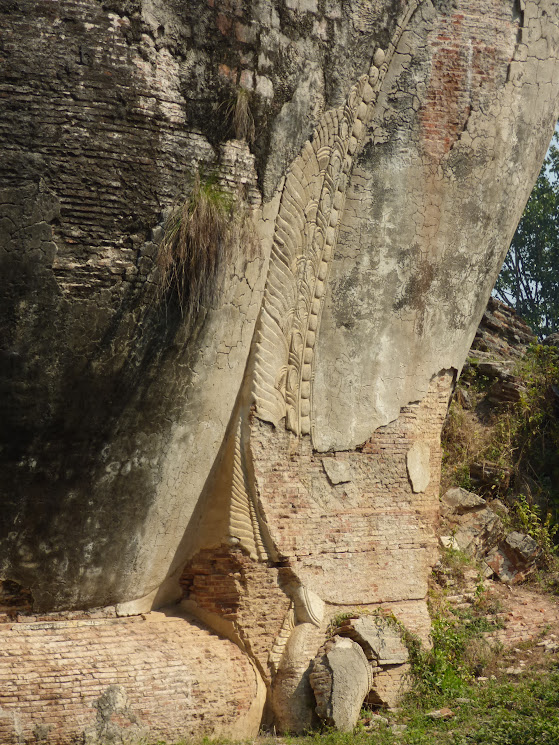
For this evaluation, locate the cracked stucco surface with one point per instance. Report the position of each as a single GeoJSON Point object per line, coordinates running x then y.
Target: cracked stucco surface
{"type": "Point", "coordinates": [427, 223]}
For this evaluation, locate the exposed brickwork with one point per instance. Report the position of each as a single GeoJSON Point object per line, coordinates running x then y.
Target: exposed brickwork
{"type": "Point", "coordinates": [229, 583]}
{"type": "Point", "coordinates": [107, 111]}
{"type": "Point", "coordinates": [526, 615]}
{"type": "Point", "coordinates": [157, 676]}
{"type": "Point", "coordinates": [369, 539]}
{"type": "Point", "coordinates": [472, 48]}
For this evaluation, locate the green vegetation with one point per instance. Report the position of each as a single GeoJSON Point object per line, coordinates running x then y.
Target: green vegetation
{"type": "Point", "coordinates": [521, 438]}
{"type": "Point", "coordinates": [527, 519]}
{"type": "Point", "coordinates": [466, 689]}
{"type": "Point", "coordinates": [238, 113]}
{"type": "Point", "coordinates": [529, 279]}
{"type": "Point", "coordinates": [464, 677]}
{"type": "Point", "coordinates": [241, 114]}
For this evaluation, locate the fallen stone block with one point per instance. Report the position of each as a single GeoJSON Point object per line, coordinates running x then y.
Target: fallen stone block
{"type": "Point", "coordinates": [341, 677]}
{"type": "Point", "coordinates": [379, 639]}
{"type": "Point", "coordinates": [514, 558]}
{"type": "Point", "coordinates": [458, 501]}
{"type": "Point", "coordinates": [479, 533]}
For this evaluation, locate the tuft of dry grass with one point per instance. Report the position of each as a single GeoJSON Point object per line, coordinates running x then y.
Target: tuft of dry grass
{"type": "Point", "coordinates": [201, 234]}
{"type": "Point", "coordinates": [465, 436]}
{"type": "Point", "coordinates": [243, 121]}
{"type": "Point", "coordinates": [237, 111]}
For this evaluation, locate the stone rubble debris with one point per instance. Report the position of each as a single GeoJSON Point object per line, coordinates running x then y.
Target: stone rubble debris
{"type": "Point", "coordinates": [365, 662]}
{"type": "Point", "coordinates": [514, 558]}
{"type": "Point", "coordinates": [502, 334]}
{"type": "Point", "coordinates": [477, 529]}
{"type": "Point", "coordinates": [341, 677]}
{"type": "Point", "coordinates": [443, 713]}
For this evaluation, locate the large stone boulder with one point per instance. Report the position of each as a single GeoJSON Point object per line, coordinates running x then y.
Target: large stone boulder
{"type": "Point", "coordinates": [341, 678]}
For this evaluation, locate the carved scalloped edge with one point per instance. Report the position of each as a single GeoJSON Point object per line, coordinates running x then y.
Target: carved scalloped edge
{"type": "Point", "coordinates": [278, 648]}
{"type": "Point", "coordinates": [305, 235]}
{"type": "Point", "coordinates": [245, 524]}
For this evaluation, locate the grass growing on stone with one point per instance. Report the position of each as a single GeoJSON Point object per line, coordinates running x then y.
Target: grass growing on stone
{"type": "Point", "coordinates": [209, 228]}
{"type": "Point", "coordinates": [195, 243]}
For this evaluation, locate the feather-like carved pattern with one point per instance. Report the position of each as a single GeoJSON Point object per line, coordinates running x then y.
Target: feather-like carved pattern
{"type": "Point", "coordinates": [305, 235]}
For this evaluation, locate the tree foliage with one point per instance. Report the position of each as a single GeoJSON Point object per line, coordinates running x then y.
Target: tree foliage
{"type": "Point", "coordinates": [529, 279]}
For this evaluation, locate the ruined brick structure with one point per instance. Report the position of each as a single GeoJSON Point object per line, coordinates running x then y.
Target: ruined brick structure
{"type": "Point", "coordinates": [189, 500]}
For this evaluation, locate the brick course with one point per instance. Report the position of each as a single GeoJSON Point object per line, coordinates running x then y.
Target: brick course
{"type": "Point", "coordinates": [371, 539]}
{"type": "Point", "coordinates": [159, 676]}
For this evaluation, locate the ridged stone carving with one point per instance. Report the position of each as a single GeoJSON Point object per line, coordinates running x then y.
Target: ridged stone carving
{"type": "Point", "coordinates": [305, 235]}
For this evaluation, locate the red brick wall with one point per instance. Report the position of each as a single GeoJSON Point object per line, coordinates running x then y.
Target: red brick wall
{"type": "Point", "coordinates": [369, 540]}
{"type": "Point", "coordinates": [227, 582]}
{"type": "Point", "coordinates": [160, 676]}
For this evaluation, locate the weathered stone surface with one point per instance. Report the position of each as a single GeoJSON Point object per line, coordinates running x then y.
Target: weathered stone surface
{"type": "Point", "coordinates": [476, 529]}
{"type": "Point", "coordinates": [146, 457]}
{"type": "Point", "coordinates": [378, 638]}
{"type": "Point", "coordinates": [479, 533]}
{"type": "Point", "coordinates": [501, 334]}
{"type": "Point", "coordinates": [514, 558]}
{"type": "Point", "coordinates": [341, 678]}
{"type": "Point", "coordinates": [338, 471]}
{"type": "Point", "coordinates": [96, 678]}
{"type": "Point", "coordinates": [381, 641]}
{"type": "Point", "coordinates": [458, 501]}
{"type": "Point", "coordinates": [418, 465]}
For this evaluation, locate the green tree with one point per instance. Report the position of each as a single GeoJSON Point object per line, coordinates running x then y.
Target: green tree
{"type": "Point", "coordinates": [529, 279]}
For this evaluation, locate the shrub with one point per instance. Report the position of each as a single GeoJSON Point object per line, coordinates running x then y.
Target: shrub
{"type": "Point", "coordinates": [527, 519]}
{"type": "Point", "coordinates": [521, 438]}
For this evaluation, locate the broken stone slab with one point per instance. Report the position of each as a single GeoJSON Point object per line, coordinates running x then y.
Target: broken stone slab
{"type": "Point", "coordinates": [338, 471]}
{"type": "Point", "coordinates": [379, 639]}
{"type": "Point", "coordinates": [514, 558]}
{"type": "Point", "coordinates": [478, 533]}
{"type": "Point", "coordinates": [494, 369]}
{"type": "Point", "coordinates": [341, 677]}
{"type": "Point", "coordinates": [524, 545]}
{"type": "Point", "coordinates": [458, 501]}
{"type": "Point", "coordinates": [419, 466]}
